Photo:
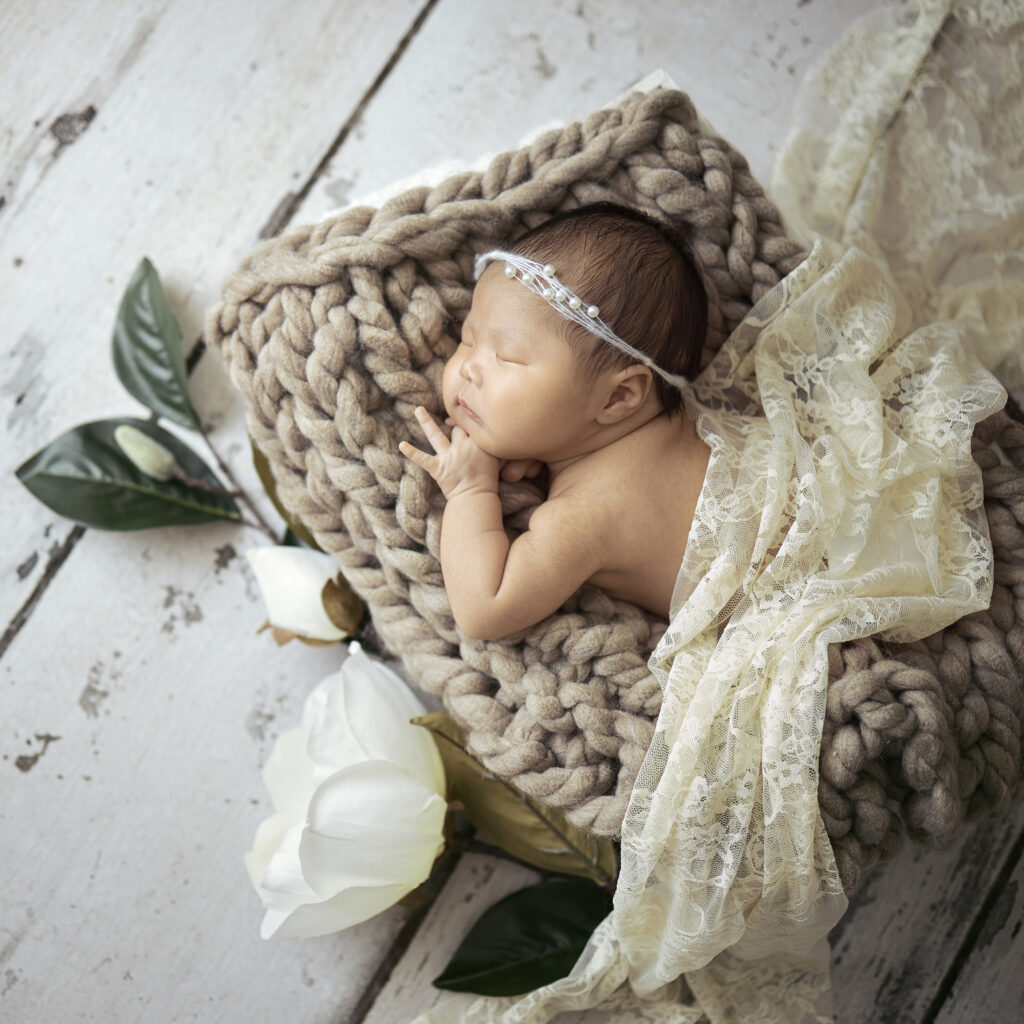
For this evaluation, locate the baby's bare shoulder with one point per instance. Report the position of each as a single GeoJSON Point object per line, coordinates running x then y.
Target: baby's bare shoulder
{"type": "Point", "coordinates": [609, 483]}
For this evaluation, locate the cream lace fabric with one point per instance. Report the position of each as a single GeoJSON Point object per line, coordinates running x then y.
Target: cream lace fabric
{"type": "Point", "coordinates": [840, 501]}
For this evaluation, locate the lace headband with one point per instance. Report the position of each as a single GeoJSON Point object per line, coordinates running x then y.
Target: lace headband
{"type": "Point", "coordinates": [541, 280]}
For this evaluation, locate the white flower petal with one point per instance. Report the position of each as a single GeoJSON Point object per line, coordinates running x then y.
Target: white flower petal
{"type": "Point", "coordinates": [371, 824]}
{"type": "Point", "coordinates": [283, 884]}
{"type": "Point", "coordinates": [358, 792]}
{"type": "Point", "coordinates": [291, 581]}
{"type": "Point", "coordinates": [288, 774]}
{"type": "Point", "coordinates": [376, 705]}
{"type": "Point", "coordinates": [349, 907]}
{"type": "Point", "coordinates": [266, 841]}
{"type": "Point", "coordinates": [334, 864]}
{"type": "Point", "coordinates": [374, 794]}
{"type": "Point", "coordinates": [332, 743]}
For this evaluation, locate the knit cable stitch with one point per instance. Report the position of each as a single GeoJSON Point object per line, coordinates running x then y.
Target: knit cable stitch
{"type": "Point", "coordinates": [335, 332]}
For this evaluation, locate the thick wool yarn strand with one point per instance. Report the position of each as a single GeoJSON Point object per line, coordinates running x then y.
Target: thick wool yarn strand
{"type": "Point", "coordinates": [334, 332]}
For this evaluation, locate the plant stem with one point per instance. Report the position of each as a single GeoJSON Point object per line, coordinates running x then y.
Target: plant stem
{"type": "Point", "coordinates": [260, 524]}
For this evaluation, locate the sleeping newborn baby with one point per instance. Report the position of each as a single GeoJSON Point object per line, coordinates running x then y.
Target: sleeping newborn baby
{"type": "Point", "coordinates": [577, 342]}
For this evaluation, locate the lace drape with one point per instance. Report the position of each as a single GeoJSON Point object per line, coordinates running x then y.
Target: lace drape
{"type": "Point", "coordinates": [840, 501]}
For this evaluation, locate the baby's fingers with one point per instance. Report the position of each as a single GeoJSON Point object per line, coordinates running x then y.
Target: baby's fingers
{"type": "Point", "coordinates": [435, 435]}
{"type": "Point", "coordinates": [422, 459]}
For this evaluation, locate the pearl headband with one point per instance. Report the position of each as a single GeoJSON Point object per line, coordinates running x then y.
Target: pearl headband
{"type": "Point", "coordinates": [541, 280]}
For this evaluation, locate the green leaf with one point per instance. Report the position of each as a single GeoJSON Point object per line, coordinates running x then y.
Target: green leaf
{"type": "Point", "coordinates": [147, 350]}
{"type": "Point", "coordinates": [538, 835]}
{"type": "Point", "coordinates": [526, 940]}
{"type": "Point", "coordinates": [85, 476]}
{"type": "Point", "coordinates": [263, 471]}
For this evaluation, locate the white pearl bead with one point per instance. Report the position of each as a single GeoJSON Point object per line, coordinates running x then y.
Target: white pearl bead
{"type": "Point", "coordinates": [548, 269]}
{"type": "Point", "coordinates": [510, 271]}
{"type": "Point", "coordinates": [560, 295]}
{"type": "Point", "coordinates": [575, 302]}
{"type": "Point", "coordinates": [592, 311]}
{"type": "Point", "coordinates": [527, 277]}
{"type": "Point", "coordinates": [548, 293]}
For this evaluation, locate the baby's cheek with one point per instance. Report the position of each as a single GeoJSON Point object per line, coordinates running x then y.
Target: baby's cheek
{"type": "Point", "coordinates": [448, 381]}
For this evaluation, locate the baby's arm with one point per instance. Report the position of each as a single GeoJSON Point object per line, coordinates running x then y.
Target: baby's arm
{"type": "Point", "coordinates": [497, 587]}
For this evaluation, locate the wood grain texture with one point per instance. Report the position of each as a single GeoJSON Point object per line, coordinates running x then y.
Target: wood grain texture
{"type": "Point", "coordinates": [131, 750]}
{"type": "Point", "coordinates": [903, 932]}
{"type": "Point", "coordinates": [557, 60]}
{"type": "Point", "coordinates": [204, 116]}
{"type": "Point", "coordinates": [989, 987]}
{"type": "Point", "coordinates": [477, 883]}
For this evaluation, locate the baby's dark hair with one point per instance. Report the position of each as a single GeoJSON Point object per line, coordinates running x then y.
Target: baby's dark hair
{"type": "Point", "coordinates": [643, 276]}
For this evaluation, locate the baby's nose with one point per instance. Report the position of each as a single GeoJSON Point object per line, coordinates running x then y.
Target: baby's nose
{"type": "Point", "coordinates": [470, 370]}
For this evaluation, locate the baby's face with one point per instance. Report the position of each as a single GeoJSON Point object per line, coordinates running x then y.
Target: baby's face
{"type": "Point", "coordinates": [513, 384]}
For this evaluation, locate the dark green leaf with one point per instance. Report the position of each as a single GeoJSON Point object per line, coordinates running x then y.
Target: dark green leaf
{"type": "Point", "coordinates": [85, 476]}
{"type": "Point", "coordinates": [526, 940]}
{"type": "Point", "coordinates": [148, 354]}
{"type": "Point", "coordinates": [536, 834]}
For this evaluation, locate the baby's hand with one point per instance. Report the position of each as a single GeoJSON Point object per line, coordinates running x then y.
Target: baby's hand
{"type": "Point", "coordinates": [459, 465]}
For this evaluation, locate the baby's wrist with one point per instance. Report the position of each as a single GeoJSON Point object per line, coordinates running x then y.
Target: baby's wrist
{"type": "Point", "coordinates": [476, 487]}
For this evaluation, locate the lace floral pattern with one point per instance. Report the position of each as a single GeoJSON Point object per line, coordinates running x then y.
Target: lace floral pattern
{"type": "Point", "coordinates": [840, 501]}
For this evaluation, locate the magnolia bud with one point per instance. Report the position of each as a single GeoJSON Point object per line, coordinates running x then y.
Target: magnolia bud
{"type": "Point", "coordinates": [145, 454]}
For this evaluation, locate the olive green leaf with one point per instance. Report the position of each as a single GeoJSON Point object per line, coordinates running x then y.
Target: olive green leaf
{"type": "Point", "coordinates": [342, 606]}
{"type": "Point", "coordinates": [147, 349]}
{"type": "Point", "coordinates": [86, 476]}
{"type": "Point", "coordinates": [263, 471]}
{"type": "Point", "coordinates": [538, 835]}
{"type": "Point", "coordinates": [530, 938]}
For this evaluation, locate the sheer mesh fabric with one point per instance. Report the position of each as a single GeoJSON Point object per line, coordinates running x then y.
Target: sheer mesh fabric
{"type": "Point", "coordinates": [840, 501]}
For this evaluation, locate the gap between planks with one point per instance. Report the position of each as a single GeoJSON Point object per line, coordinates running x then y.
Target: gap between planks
{"type": "Point", "coordinates": [963, 954]}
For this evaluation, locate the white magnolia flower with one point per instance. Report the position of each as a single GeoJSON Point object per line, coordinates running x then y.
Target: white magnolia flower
{"type": "Point", "coordinates": [292, 582]}
{"type": "Point", "coordinates": [358, 793]}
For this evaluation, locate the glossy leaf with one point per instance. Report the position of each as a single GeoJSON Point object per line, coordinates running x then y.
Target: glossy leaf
{"type": "Point", "coordinates": [538, 835]}
{"type": "Point", "coordinates": [147, 349]}
{"type": "Point", "coordinates": [263, 471]}
{"type": "Point", "coordinates": [85, 476]}
{"type": "Point", "coordinates": [530, 938]}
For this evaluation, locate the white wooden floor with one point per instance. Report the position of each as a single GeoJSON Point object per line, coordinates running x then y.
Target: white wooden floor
{"type": "Point", "coordinates": [137, 702]}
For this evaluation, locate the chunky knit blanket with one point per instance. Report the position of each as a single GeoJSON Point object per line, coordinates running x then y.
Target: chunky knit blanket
{"type": "Point", "coordinates": [335, 332]}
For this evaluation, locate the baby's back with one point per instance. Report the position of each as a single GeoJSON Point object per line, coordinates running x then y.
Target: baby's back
{"type": "Point", "coordinates": [644, 490]}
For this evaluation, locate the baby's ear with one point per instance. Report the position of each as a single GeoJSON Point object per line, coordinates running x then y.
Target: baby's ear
{"type": "Point", "coordinates": [628, 389]}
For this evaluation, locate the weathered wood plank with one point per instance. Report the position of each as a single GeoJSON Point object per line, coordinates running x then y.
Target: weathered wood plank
{"type": "Point", "coordinates": [990, 986]}
{"type": "Point", "coordinates": [905, 928]}
{"type": "Point", "coordinates": [146, 817]}
{"type": "Point", "coordinates": [138, 709]}
{"type": "Point", "coordinates": [557, 60]}
{"type": "Point", "coordinates": [477, 883]}
{"type": "Point", "coordinates": [50, 94]}
{"type": "Point", "coordinates": [205, 115]}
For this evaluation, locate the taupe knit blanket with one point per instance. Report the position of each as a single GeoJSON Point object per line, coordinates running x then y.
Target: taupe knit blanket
{"type": "Point", "coordinates": [335, 332]}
